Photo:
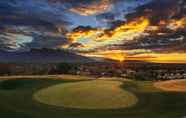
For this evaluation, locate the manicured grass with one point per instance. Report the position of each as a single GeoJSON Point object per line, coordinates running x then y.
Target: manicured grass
{"type": "Point", "coordinates": [152, 102]}
{"type": "Point", "coordinates": [97, 94]}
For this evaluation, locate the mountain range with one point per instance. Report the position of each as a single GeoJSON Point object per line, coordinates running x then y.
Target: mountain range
{"type": "Point", "coordinates": [42, 56]}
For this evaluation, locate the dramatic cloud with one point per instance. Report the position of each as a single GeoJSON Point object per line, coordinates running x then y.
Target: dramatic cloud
{"type": "Point", "coordinates": [95, 7]}
{"type": "Point", "coordinates": [94, 38]}
{"type": "Point", "coordinates": [11, 41]}
{"type": "Point", "coordinates": [115, 29]}
{"type": "Point", "coordinates": [23, 21]}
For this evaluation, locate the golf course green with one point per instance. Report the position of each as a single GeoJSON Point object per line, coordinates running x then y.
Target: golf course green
{"type": "Point", "coordinates": [83, 98]}
{"type": "Point", "coordinates": [97, 94]}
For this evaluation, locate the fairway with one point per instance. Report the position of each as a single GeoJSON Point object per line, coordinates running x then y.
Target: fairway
{"type": "Point", "coordinates": [97, 94]}
{"type": "Point", "coordinates": [84, 98]}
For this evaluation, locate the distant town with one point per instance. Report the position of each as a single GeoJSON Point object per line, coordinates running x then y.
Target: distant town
{"type": "Point", "coordinates": [130, 70]}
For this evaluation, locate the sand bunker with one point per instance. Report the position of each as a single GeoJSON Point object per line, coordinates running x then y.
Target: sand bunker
{"type": "Point", "coordinates": [172, 85]}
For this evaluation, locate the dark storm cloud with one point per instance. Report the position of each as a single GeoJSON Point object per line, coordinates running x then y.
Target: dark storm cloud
{"type": "Point", "coordinates": [31, 12]}
{"type": "Point", "coordinates": [169, 43]}
{"type": "Point", "coordinates": [47, 41]}
{"type": "Point", "coordinates": [45, 18]}
{"type": "Point", "coordinates": [27, 18]}
{"type": "Point", "coordinates": [160, 9]}
{"type": "Point", "coordinates": [28, 24]}
{"type": "Point", "coordinates": [163, 40]}
{"type": "Point", "coordinates": [8, 41]}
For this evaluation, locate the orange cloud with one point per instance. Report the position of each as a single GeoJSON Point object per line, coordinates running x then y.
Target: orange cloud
{"type": "Point", "coordinates": [98, 37]}
{"type": "Point", "coordinates": [175, 24]}
{"type": "Point", "coordinates": [90, 9]}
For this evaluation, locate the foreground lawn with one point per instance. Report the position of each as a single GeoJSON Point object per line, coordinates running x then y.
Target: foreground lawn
{"type": "Point", "coordinates": [17, 101]}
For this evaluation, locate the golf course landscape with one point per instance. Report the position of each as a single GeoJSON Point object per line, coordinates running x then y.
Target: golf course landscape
{"type": "Point", "coordinates": [68, 96]}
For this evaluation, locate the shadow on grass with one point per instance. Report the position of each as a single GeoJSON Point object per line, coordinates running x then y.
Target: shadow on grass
{"type": "Point", "coordinates": [12, 84]}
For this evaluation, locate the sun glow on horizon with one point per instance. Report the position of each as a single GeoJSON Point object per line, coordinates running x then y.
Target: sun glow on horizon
{"type": "Point", "coordinates": [92, 39]}
{"type": "Point", "coordinates": [117, 55]}
{"type": "Point", "coordinates": [160, 58]}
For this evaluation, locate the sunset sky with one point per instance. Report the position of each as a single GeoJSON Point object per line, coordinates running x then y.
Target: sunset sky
{"type": "Point", "coordinates": [144, 30]}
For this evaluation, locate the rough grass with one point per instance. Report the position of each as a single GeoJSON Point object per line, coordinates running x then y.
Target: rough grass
{"type": "Point", "coordinates": [152, 102]}
{"type": "Point", "coordinates": [172, 85]}
{"type": "Point", "coordinates": [97, 94]}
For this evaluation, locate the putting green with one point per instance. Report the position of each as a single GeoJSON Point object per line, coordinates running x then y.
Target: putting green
{"type": "Point", "coordinates": [97, 94]}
